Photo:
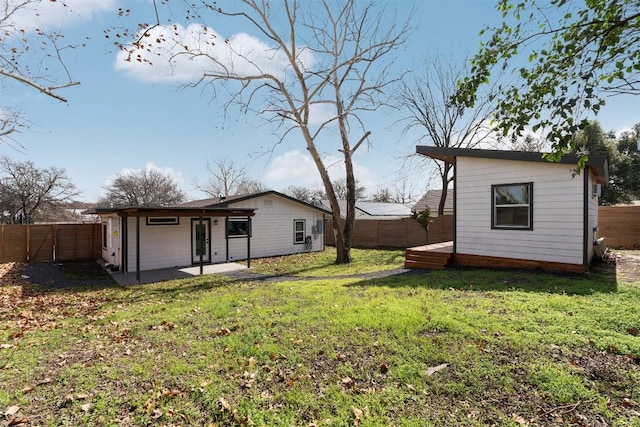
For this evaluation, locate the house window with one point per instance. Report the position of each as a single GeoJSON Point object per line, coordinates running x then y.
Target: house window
{"type": "Point", "coordinates": [298, 231]}
{"type": "Point", "coordinates": [238, 227]}
{"type": "Point", "coordinates": [105, 235]}
{"type": "Point", "coordinates": [512, 206]}
{"type": "Point", "coordinates": [163, 220]}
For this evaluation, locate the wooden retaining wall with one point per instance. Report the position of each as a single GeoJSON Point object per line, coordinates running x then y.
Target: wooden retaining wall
{"type": "Point", "coordinates": [49, 242]}
{"type": "Point", "coordinates": [620, 225]}
{"type": "Point", "coordinates": [395, 233]}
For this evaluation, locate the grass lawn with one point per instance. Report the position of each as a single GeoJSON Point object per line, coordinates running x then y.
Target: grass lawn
{"type": "Point", "coordinates": [454, 347]}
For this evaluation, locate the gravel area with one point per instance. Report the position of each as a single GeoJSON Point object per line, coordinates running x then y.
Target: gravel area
{"type": "Point", "coordinates": [51, 275]}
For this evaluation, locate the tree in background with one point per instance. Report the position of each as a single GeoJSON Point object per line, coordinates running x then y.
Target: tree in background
{"type": "Point", "coordinates": [144, 187]}
{"type": "Point", "coordinates": [226, 178]}
{"type": "Point", "coordinates": [623, 156]}
{"type": "Point", "coordinates": [311, 194]}
{"type": "Point", "coordinates": [321, 68]}
{"type": "Point", "coordinates": [426, 97]}
{"type": "Point", "coordinates": [306, 194]}
{"type": "Point", "coordinates": [399, 193]}
{"type": "Point", "coordinates": [27, 192]}
{"type": "Point", "coordinates": [30, 57]}
{"type": "Point", "coordinates": [628, 147]}
{"type": "Point", "coordinates": [577, 55]}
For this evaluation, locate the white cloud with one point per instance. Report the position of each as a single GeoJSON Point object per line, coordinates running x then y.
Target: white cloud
{"type": "Point", "coordinates": [47, 14]}
{"type": "Point", "coordinates": [181, 54]}
{"type": "Point", "coordinates": [293, 167]}
{"type": "Point", "coordinates": [296, 168]}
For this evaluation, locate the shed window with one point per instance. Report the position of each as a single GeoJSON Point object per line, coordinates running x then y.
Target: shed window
{"type": "Point", "coordinates": [512, 206]}
{"type": "Point", "coordinates": [238, 227]}
{"type": "Point", "coordinates": [298, 231]}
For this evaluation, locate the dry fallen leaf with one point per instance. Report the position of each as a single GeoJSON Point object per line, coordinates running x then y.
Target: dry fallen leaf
{"type": "Point", "coordinates": [86, 407]}
{"type": "Point", "coordinates": [518, 419]}
{"type": "Point", "coordinates": [12, 410]}
{"type": "Point", "coordinates": [433, 369]}
{"type": "Point", "coordinates": [358, 416]}
{"type": "Point", "coordinates": [224, 405]}
{"type": "Point", "coordinates": [82, 396]}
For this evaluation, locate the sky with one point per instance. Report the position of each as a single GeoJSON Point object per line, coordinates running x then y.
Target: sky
{"type": "Point", "coordinates": [127, 116]}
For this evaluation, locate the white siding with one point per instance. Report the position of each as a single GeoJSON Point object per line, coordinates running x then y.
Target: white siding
{"type": "Point", "coordinates": [165, 246]}
{"type": "Point", "coordinates": [557, 234]}
{"type": "Point", "coordinates": [112, 253]}
{"type": "Point", "coordinates": [161, 246]}
{"type": "Point", "coordinates": [272, 228]}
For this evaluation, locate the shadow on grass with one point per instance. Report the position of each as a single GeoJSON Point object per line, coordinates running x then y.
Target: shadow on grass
{"type": "Point", "coordinates": [600, 279]}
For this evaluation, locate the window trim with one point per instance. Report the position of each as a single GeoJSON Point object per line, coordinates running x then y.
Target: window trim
{"type": "Point", "coordinates": [295, 232]}
{"type": "Point", "coordinates": [237, 236]}
{"type": "Point", "coordinates": [494, 207]}
{"type": "Point", "coordinates": [162, 220]}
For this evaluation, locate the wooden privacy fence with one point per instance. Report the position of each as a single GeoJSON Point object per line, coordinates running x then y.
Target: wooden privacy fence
{"type": "Point", "coordinates": [395, 233]}
{"type": "Point", "coordinates": [620, 225]}
{"type": "Point", "coordinates": [49, 242]}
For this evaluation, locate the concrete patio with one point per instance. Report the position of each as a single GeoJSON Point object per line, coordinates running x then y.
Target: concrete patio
{"type": "Point", "coordinates": [160, 275]}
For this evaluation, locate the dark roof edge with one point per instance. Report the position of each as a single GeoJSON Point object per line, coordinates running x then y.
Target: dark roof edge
{"type": "Point", "coordinates": [274, 192]}
{"type": "Point", "coordinates": [599, 164]}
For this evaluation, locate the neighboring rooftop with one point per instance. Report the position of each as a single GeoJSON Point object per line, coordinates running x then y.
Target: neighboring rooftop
{"type": "Point", "coordinates": [431, 200]}
{"type": "Point", "coordinates": [374, 210]}
{"type": "Point", "coordinates": [224, 202]}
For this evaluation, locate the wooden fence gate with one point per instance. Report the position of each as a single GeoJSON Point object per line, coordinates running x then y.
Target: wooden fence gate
{"type": "Point", "coordinates": [49, 242]}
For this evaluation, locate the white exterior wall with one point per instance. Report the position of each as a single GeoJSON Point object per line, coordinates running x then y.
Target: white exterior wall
{"type": "Point", "coordinates": [161, 246]}
{"type": "Point", "coordinates": [557, 234]}
{"type": "Point", "coordinates": [272, 228]}
{"type": "Point", "coordinates": [166, 246]}
{"type": "Point", "coordinates": [112, 252]}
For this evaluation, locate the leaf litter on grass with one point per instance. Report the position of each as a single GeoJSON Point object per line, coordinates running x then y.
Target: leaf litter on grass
{"type": "Point", "coordinates": [265, 364]}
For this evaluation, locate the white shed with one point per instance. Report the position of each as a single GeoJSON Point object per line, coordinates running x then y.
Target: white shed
{"type": "Point", "coordinates": [517, 209]}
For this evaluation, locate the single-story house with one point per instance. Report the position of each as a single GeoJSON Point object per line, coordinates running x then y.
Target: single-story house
{"type": "Point", "coordinates": [517, 209]}
{"type": "Point", "coordinates": [210, 231]}
{"type": "Point", "coordinates": [431, 201]}
{"type": "Point", "coordinates": [373, 210]}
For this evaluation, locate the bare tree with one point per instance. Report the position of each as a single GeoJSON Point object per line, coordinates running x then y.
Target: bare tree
{"type": "Point", "coordinates": [427, 98]}
{"type": "Point", "coordinates": [227, 178]}
{"type": "Point", "coordinates": [27, 191]}
{"type": "Point", "coordinates": [144, 187]}
{"type": "Point", "coordinates": [325, 64]}
{"type": "Point", "coordinates": [299, 192]}
{"type": "Point", "coordinates": [400, 192]}
{"type": "Point", "coordinates": [29, 57]}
